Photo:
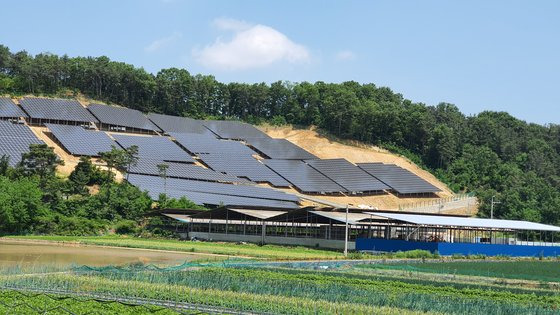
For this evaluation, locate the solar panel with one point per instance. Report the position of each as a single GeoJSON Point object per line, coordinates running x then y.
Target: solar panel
{"type": "Point", "coordinates": [280, 149]}
{"type": "Point", "coordinates": [56, 110]}
{"type": "Point", "coordinates": [399, 179]}
{"type": "Point", "coordinates": [178, 124]}
{"type": "Point", "coordinates": [243, 166]}
{"type": "Point", "coordinates": [154, 147]}
{"type": "Point", "coordinates": [305, 178]}
{"type": "Point", "coordinates": [208, 196]}
{"type": "Point", "coordinates": [203, 144]}
{"type": "Point", "coordinates": [182, 170]}
{"type": "Point", "coordinates": [9, 109]}
{"type": "Point", "coordinates": [235, 130]}
{"type": "Point", "coordinates": [121, 117]}
{"type": "Point", "coordinates": [11, 130]}
{"type": "Point", "coordinates": [15, 140]}
{"type": "Point", "coordinates": [243, 190]}
{"type": "Point", "coordinates": [348, 175]}
{"type": "Point", "coordinates": [79, 141]}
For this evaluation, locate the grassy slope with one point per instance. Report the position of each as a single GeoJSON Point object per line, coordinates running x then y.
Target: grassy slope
{"type": "Point", "coordinates": [248, 250]}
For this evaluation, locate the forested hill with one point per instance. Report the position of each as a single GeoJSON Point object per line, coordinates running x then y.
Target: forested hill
{"type": "Point", "coordinates": [491, 153]}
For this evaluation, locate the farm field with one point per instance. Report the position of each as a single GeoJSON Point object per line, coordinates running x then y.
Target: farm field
{"type": "Point", "coordinates": [526, 270]}
{"type": "Point", "coordinates": [344, 290]}
{"type": "Point", "coordinates": [274, 252]}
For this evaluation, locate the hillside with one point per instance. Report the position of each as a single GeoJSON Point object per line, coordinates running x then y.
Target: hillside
{"type": "Point", "coordinates": [490, 154]}
{"type": "Point", "coordinates": [357, 152]}
{"type": "Point", "coordinates": [316, 144]}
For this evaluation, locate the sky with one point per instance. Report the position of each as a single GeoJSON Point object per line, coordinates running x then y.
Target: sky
{"type": "Point", "coordinates": [479, 55]}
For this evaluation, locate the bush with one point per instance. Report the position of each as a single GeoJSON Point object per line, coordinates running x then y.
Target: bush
{"type": "Point", "coordinates": [126, 227]}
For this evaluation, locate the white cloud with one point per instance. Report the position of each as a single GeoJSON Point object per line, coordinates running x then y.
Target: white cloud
{"type": "Point", "coordinates": [227, 24]}
{"type": "Point", "coordinates": [163, 42]}
{"type": "Point", "coordinates": [252, 46]}
{"type": "Point", "coordinates": [345, 55]}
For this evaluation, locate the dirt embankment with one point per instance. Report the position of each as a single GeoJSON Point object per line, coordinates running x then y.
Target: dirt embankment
{"type": "Point", "coordinates": [357, 152]}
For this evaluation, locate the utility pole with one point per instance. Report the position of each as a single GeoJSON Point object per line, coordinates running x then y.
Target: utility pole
{"type": "Point", "coordinates": [346, 234]}
{"type": "Point", "coordinates": [492, 207]}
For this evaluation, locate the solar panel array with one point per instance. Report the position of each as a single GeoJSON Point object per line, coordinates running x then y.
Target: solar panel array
{"type": "Point", "coordinates": [183, 170]}
{"type": "Point", "coordinates": [280, 149]}
{"type": "Point", "coordinates": [235, 130]}
{"type": "Point", "coordinates": [121, 116]}
{"type": "Point", "coordinates": [243, 166]}
{"type": "Point", "coordinates": [178, 124]}
{"type": "Point", "coordinates": [56, 109]}
{"type": "Point", "coordinates": [203, 144]}
{"type": "Point", "coordinates": [79, 141]}
{"type": "Point", "coordinates": [154, 147]}
{"type": "Point", "coordinates": [9, 109]}
{"type": "Point", "coordinates": [399, 179]}
{"type": "Point", "coordinates": [348, 175]}
{"type": "Point", "coordinates": [15, 140]}
{"type": "Point", "coordinates": [305, 178]}
{"type": "Point", "coordinates": [214, 194]}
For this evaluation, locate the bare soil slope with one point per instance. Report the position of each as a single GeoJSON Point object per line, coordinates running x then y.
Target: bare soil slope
{"type": "Point", "coordinates": [357, 152]}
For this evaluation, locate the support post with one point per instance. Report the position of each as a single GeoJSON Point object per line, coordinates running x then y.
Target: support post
{"type": "Point", "coordinates": [346, 234]}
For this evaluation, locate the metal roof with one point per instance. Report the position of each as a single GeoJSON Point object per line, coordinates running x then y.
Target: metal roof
{"type": "Point", "coordinates": [259, 214]}
{"type": "Point", "coordinates": [353, 218]}
{"type": "Point", "coordinates": [178, 217]}
{"type": "Point", "coordinates": [466, 222]}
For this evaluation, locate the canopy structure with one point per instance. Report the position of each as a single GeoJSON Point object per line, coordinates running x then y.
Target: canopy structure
{"type": "Point", "coordinates": [449, 221]}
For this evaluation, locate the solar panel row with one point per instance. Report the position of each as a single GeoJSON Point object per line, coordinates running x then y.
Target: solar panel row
{"type": "Point", "coordinates": [245, 190]}
{"type": "Point", "coordinates": [182, 170]}
{"type": "Point", "coordinates": [399, 179]}
{"type": "Point", "coordinates": [348, 175]}
{"type": "Point", "coordinates": [234, 130]}
{"type": "Point", "coordinates": [11, 130]}
{"type": "Point", "coordinates": [154, 147]}
{"type": "Point", "coordinates": [305, 178]}
{"type": "Point", "coordinates": [280, 149]}
{"type": "Point", "coordinates": [203, 144]}
{"type": "Point", "coordinates": [243, 166]}
{"type": "Point", "coordinates": [121, 117]}
{"type": "Point", "coordinates": [204, 195]}
{"type": "Point", "coordinates": [178, 124]}
{"type": "Point", "coordinates": [79, 141]}
{"type": "Point", "coordinates": [15, 140]}
{"type": "Point", "coordinates": [56, 109]}
{"type": "Point", "coordinates": [9, 109]}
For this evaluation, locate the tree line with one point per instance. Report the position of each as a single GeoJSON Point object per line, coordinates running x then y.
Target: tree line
{"type": "Point", "coordinates": [34, 199]}
{"type": "Point", "coordinates": [491, 153]}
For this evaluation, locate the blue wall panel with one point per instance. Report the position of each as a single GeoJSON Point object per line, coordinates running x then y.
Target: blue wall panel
{"type": "Point", "coordinates": [382, 245]}
{"type": "Point", "coordinates": [373, 244]}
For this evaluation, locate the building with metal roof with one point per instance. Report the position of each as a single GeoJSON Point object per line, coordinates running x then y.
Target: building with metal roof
{"type": "Point", "coordinates": [374, 231]}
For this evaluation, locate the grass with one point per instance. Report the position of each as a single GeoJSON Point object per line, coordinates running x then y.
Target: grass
{"type": "Point", "coordinates": [275, 252]}
{"type": "Point", "coordinates": [526, 270]}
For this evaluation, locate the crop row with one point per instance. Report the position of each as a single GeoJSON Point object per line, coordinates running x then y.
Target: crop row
{"type": "Point", "coordinates": [14, 302]}
{"type": "Point", "coordinates": [232, 299]}
{"type": "Point", "coordinates": [340, 288]}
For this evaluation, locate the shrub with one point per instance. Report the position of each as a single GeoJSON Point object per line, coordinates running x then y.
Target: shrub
{"type": "Point", "coordinates": [126, 227]}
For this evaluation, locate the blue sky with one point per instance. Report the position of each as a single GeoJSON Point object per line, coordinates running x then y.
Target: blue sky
{"type": "Point", "coordinates": [496, 55]}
